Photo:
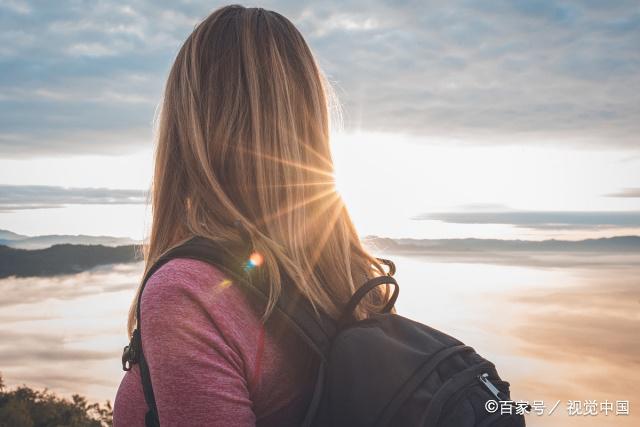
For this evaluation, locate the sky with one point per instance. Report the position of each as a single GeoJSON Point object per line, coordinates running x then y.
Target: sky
{"type": "Point", "coordinates": [488, 119]}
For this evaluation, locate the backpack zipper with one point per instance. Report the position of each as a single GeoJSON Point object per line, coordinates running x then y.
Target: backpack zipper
{"type": "Point", "coordinates": [463, 391]}
{"type": "Point", "coordinates": [484, 380]}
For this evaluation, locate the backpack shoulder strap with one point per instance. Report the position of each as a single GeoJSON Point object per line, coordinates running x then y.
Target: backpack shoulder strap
{"type": "Point", "coordinates": [315, 328]}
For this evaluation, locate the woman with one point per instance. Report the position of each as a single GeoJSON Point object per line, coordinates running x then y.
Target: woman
{"type": "Point", "coordinates": [243, 135]}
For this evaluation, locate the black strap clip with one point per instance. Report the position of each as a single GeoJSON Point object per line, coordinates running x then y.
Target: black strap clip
{"type": "Point", "coordinates": [131, 352]}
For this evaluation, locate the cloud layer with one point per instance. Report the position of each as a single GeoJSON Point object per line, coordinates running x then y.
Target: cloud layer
{"type": "Point", "coordinates": [79, 79]}
{"type": "Point", "coordinates": [542, 220]}
{"type": "Point", "coordinates": [627, 192]}
{"type": "Point", "coordinates": [66, 333]}
{"type": "Point", "coordinates": [19, 197]}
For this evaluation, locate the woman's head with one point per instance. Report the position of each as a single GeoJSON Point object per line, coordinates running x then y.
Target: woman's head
{"type": "Point", "coordinates": [243, 133]}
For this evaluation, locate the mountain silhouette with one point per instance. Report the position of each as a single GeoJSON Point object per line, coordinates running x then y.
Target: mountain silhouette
{"type": "Point", "coordinates": [67, 258]}
{"type": "Point", "coordinates": [62, 259]}
{"type": "Point", "coordinates": [20, 241]}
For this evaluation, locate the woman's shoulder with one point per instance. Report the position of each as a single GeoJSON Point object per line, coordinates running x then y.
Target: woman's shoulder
{"type": "Point", "coordinates": [190, 305]}
{"type": "Point", "coordinates": [190, 278]}
{"type": "Point", "coordinates": [182, 274]}
{"type": "Point", "coordinates": [203, 337]}
{"type": "Point", "coordinates": [186, 287]}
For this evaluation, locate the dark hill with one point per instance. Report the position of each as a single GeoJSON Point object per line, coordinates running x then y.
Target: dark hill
{"type": "Point", "coordinates": [61, 259]}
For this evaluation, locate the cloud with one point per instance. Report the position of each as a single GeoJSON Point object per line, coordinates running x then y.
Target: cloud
{"type": "Point", "coordinates": [16, 6]}
{"type": "Point", "coordinates": [542, 220]}
{"type": "Point", "coordinates": [42, 347]}
{"type": "Point", "coordinates": [19, 197]}
{"type": "Point", "coordinates": [89, 79]}
{"type": "Point", "coordinates": [503, 71]}
{"type": "Point", "coordinates": [627, 192]}
{"type": "Point", "coordinates": [605, 305]}
{"type": "Point", "coordinates": [67, 332]}
{"type": "Point", "coordinates": [593, 318]}
{"type": "Point", "coordinates": [100, 280]}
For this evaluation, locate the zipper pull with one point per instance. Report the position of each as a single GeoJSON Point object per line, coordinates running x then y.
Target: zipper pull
{"type": "Point", "coordinates": [484, 379]}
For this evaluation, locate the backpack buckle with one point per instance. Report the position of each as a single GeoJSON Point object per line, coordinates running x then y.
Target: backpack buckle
{"type": "Point", "coordinates": [130, 352]}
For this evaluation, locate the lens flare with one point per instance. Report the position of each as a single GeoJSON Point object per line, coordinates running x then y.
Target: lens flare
{"type": "Point", "coordinates": [224, 284]}
{"type": "Point", "coordinates": [256, 259]}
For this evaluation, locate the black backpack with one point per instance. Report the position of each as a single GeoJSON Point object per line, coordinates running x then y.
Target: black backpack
{"type": "Point", "coordinates": [386, 370]}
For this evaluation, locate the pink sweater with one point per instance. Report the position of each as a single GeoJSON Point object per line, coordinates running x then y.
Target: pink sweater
{"type": "Point", "coordinates": [211, 361]}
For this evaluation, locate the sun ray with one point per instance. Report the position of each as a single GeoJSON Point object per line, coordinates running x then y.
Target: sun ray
{"type": "Point", "coordinates": [327, 193]}
{"type": "Point", "coordinates": [302, 184]}
{"type": "Point", "coordinates": [290, 163]}
{"type": "Point", "coordinates": [319, 247]}
{"type": "Point", "coordinates": [318, 155]}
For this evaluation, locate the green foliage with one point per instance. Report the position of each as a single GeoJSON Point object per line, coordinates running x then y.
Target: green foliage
{"type": "Point", "coordinates": [24, 407]}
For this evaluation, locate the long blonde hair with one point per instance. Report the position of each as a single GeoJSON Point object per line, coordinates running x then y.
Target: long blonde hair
{"type": "Point", "coordinates": [243, 134]}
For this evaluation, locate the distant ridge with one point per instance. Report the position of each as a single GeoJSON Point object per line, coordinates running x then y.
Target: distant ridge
{"type": "Point", "coordinates": [67, 258]}
{"type": "Point", "coordinates": [622, 251]}
{"type": "Point", "coordinates": [19, 241]}
{"type": "Point", "coordinates": [605, 244]}
{"type": "Point", "coordinates": [10, 235]}
{"type": "Point", "coordinates": [61, 259]}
